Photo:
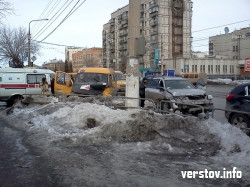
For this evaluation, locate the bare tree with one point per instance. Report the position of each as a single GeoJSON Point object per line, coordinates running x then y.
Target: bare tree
{"type": "Point", "coordinates": [14, 45]}
{"type": "Point", "coordinates": [5, 9]}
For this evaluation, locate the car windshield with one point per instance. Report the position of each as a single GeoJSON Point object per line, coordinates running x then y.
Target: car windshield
{"type": "Point", "coordinates": [178, 84]}
{"type": "Point", "coordinates": [120, 76]}
{"type": "Point", "coordinates": [91, 78]}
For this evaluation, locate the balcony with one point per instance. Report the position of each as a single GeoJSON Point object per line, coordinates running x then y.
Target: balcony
{"type": "Point", "coordinates": [112, 48]}
{"type": "Point", "coordinates": [112, 22]}
{"type": "Point", "coordinates": [153, 22]}
{"type": "Point", "coordinates": [112, 29]}
{"type": "Point", "coordinates": [123, 47]}
{"type": "Point", "coordinates": [154, 31]}
{"type": "Point", "coordinates": [123, 33]}
{"type": "Point", "coordinates": [123, 26]}
{"type": "Point", "coordinates": [154, 3]}
{"type": "Point", "coordinates": [153, 14]}
{"type": "Point", "coordinates": [122, 40]}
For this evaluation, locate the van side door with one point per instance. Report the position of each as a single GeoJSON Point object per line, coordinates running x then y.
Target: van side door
{"type": "Point", "coordinates": [33, 83]}
{"type": "Point", "coordinates": [63, 83]}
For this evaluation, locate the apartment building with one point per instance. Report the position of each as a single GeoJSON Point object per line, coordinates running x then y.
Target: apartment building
{"type": "Point", "coordinates": [234, 45]}
{"type": "Point", "coordinates": [87, 58]}
{"type": "Point", "coordinates": [164, 24]}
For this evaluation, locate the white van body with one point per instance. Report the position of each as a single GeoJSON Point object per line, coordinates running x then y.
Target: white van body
{"type": "Point", "coordinates": [14, 82]}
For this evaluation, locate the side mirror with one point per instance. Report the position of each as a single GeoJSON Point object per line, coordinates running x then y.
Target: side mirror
{"type": "Point", "coordinates": [68, 83]}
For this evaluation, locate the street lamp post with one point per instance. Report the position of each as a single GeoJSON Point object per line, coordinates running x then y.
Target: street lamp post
{"type": "Point", "coordinates": [29, 38]}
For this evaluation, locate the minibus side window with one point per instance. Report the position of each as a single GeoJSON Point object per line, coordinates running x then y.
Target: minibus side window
{"type": "Point", "coordinates": [191, 76]}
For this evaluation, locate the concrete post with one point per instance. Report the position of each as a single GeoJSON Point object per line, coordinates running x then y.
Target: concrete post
{"type": "Point", "coordinates": [132, 69]}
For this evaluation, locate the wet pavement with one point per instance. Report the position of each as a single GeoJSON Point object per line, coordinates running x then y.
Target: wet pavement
{"type": "Point", "coordinates": [20, 164]}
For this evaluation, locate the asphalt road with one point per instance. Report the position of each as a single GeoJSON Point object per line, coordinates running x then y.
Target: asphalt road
{"type": "Point", "coordinates": [219, 93]}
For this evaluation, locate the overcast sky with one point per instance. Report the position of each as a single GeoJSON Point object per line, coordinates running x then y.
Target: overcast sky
{"type": "Point", "coordinates": [84, 27]}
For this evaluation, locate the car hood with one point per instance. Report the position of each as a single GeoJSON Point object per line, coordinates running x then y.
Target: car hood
{"type": "Point", "coordinates": [187, 92]}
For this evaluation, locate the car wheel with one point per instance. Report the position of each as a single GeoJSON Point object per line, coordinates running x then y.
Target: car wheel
{"type": "Point", "coordinates": [14, 100]}
{"type": "Point", "coordinates": [240, 121]}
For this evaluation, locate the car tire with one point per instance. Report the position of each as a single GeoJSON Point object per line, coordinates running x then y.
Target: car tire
{"type": "Point", "coordinates": [14, 100]}
{"type": "Point", "coordinates": [240, 120]}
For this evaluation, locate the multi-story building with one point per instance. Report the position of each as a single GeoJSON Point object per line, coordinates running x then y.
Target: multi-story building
{"type": "Point", "coordinates": [68, 56]}
{"type": "Point", "coordinates": [55, 65]}
{"type": "Point", "coordinates": [234, 45]}
{"type": "Point", "coordinates": [165, 25]}
{"type": "Point", "coordinates": [87, 58]}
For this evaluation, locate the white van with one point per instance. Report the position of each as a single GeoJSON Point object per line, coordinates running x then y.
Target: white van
{"type": "Point", "coordinates": [14, 82]}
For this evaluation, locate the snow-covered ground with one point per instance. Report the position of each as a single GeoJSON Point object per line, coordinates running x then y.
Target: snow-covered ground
{"type": "Point", "coordinates": [228, 81]}
{"type": "Point", "coordinates": [88, 144]}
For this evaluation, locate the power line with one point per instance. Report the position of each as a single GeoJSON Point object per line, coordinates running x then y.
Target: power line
{"type": "Point", "coordinates": [221, 26]}
{"type": "Point", "coordinates": [50, 11]}
{"type": "Point", "coordinates": [51, 20]}
{"type": "Point", "coordinates": [40, 17]}
{"type": "Point", "coordinates": [60, 45]}
{"type": "Point", "coordinates": [66, 17]}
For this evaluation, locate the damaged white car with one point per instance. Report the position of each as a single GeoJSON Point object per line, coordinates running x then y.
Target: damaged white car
{"type": "Point", "coordinates": [176, 93]}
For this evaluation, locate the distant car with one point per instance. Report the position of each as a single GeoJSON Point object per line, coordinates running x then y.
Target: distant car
{"type": "Point", "coordinates": [239, 99]}
{"type": "Point", "coordinates": [179, 90]}
{"type": "Point", "coordinates": [121, 82]}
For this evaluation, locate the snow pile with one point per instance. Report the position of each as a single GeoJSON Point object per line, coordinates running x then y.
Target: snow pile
{"type": "Point", "coordinates": [186, 143]}
{"type": "Point", "coordinates": [227, 81]}
{"type": "Point", "coordinates": [98, 123]}
{"type": "Point", "coordinates": [235, 145]}
{"type": "Point", "coordinates": [220, 81]}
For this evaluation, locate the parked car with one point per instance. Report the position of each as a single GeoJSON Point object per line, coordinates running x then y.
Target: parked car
{"type": "Point", "coordinates": [239, 100]}
{"type": "Point", "coordinates": [179, 90]}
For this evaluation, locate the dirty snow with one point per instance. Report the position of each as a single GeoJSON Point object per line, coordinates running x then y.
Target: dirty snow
{"type": "Point", "coordinates": [89, 144]}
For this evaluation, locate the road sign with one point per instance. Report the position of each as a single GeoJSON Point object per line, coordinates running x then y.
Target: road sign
{"type": "Point", "coordinates": [33, 58]}
{"type": "Point", "coordinates": [24, 58]}
{"type": "Point", "coordinates": [247, 64]}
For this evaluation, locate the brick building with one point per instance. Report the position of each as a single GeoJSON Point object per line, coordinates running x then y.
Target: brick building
{"type": "Point", "coordinates": [87, 58]}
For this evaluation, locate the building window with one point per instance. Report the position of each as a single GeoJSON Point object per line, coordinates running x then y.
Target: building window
{"type": "Point", "coordinates": [231, 69]}
{"type": "Point", "coordinates": [192, 68]}
{"type": "Point", "coordinates": [236, 48]}
{"type": "Point", "coordinates": [204, 68]}
{"type": "Point", "coordinates": [200, 68]}
{"type": "Point", "coordinates": [233, 48]}
{"type": "Point", "coordinates": [224, 68]}
{"type": "Point", "coordinates": [208, 68]}
{"type": "Point", "coordinates": [195, 68]}
{"type": "Point", "coordinates": [212, 69]}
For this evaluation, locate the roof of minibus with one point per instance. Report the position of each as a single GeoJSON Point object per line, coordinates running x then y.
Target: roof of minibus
{"type": "Point", "coordinates": [97, 70]}
{"type": "Point", "coordinates": [25, 70]}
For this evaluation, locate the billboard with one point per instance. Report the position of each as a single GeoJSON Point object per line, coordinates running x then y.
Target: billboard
{"type": "Point", "coordinates": [247, 64]}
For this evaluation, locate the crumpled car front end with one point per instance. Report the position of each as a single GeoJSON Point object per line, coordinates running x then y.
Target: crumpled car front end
{"type": "Point", "coordinates": [191, 100]}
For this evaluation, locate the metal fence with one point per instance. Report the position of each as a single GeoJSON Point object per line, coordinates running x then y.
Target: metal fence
{"type": "Point", "coordinates": [119, 102]}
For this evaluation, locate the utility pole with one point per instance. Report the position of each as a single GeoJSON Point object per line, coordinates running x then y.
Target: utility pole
{"type": "Point", "coordinates": [161, 55]}
{"type": "Point", "coordinates": [132, 69]}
